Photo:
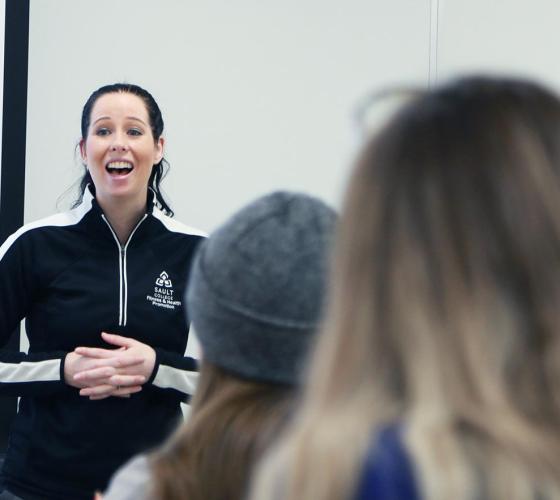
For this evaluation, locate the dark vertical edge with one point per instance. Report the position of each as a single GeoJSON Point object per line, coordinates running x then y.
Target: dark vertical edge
{"type": "Point", "coordinates": [14, 123]}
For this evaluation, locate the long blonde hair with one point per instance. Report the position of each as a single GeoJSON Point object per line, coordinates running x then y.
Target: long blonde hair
{"type": "Point", "coordinates": [445, 305]}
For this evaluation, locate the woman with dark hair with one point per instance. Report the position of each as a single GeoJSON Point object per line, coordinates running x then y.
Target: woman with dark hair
{"type": "Point", "coordinates": [101, 288]}
{"type": "Point", "coordinates": [437, 372]}
{"type": "Point", "coordinates": [255, 297]}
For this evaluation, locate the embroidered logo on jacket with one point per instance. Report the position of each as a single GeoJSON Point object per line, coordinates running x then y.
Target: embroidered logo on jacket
{"type": "Point", "coordinates": [163, 293]}
{"type": "Point", "coordinates": [164, 280]}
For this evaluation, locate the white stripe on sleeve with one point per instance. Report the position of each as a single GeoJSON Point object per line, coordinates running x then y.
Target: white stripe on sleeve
{"type": "Point", "coordinates": [172, 378]}
{"type": "Point", "coordinates": [28, 371]}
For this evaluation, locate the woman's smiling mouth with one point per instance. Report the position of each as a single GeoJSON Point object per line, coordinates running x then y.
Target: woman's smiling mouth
{"type": "Point", "coordinates": [119, 167]}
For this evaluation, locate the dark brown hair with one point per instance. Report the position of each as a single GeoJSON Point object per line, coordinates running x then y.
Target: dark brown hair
{"type": "Point", "coordinates": [212, 455]}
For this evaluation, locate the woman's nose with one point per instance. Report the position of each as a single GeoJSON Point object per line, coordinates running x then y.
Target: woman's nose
{"type": "Point", "coordinates": [119, 146]}
{"type": "Point", "coordinates": [119, 143]}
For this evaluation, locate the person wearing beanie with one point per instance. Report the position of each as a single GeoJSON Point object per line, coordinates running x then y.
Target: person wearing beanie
{"type": "Point", "coordinates": [255, 298]}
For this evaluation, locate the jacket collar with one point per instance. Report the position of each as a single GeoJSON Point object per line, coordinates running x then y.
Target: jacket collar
{"type": "Point", "coordinates": [88, 199]}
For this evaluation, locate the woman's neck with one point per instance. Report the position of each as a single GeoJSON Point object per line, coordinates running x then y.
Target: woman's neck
{"type": "Point", "coordinates": [123, 215]}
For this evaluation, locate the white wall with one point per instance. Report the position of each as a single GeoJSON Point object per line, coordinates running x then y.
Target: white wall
{"type": "Point", "coordinates": [514, 36]}
{"type": "Point", "coordinates": [256, 95]}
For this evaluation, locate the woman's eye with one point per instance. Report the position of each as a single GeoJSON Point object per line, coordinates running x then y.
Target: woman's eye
{"type": "Point", "coordinates": [135, 131]}
{"type": "Point", "coordinates": [102, 131]}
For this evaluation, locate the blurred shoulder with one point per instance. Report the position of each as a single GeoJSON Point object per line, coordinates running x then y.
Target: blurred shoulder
{"type": "Point", "coordinates": [132, 481]}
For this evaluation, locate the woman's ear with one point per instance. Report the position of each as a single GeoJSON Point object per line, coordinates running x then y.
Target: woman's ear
{"type": "Point", "coordinates": [159, 150]}
{"type": "Point", "coordinates": [83, 150]}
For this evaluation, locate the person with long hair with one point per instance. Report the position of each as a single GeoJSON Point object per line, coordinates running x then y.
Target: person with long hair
{"type": "Point", "coordinates": [437, 373]}
{"type": "Point", "coordinates": [255, 298]}
{"type": "Point", "coordinates": [101, 288]}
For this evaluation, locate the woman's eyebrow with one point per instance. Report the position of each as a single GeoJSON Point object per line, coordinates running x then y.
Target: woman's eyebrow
{"type": "Point", "coordinates": [100, 118]}
{"type": "Point", "coordinates": [128, 118]}
{"type": "Point", "coordinates": [136, 119]}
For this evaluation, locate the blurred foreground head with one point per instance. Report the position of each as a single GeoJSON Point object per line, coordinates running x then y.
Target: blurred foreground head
{"type": "Point", "coordinates": [258, 284]}
{"type": "Point", "coordinates": [445, 304]}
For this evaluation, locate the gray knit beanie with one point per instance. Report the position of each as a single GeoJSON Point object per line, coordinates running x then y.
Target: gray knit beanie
{"type": "Point", "coordinates": [257, 286]}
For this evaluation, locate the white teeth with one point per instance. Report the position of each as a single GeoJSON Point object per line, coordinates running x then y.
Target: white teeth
{"type": "Point", "coordinates": [119, 165]}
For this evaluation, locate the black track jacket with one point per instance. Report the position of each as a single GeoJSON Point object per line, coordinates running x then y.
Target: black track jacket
{"type": "Point", "coordinates": [71, 279]}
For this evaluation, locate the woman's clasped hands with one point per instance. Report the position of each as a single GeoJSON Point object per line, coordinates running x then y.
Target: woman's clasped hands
{"type": "Point", "coordinates": [100, 373]}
